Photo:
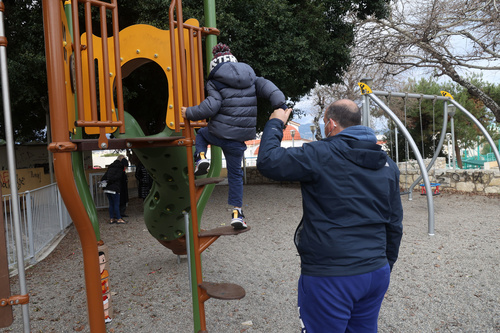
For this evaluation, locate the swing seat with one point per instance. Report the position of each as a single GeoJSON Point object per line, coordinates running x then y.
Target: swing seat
{"type": "Point", "coordinates": [434, 192]}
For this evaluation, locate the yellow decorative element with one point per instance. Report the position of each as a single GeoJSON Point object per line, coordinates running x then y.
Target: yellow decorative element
{"type": "Point", "coordinates": [148, 41]}
{"type": "Point", "coordinates": [365, 89]}
{"type": "Point", "coordinates": [446, 94]}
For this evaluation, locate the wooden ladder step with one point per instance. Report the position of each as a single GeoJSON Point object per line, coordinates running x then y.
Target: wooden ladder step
{"type": "Point", "coordinates": [222, 231]}
{"type": "Point", "coordinates": [208, 181]}
{"type": "Point", "coordinates": [225, 291]}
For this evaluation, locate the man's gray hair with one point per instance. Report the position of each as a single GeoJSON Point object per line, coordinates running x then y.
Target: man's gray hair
{"type": "Point", "coordinates": [345, 113]}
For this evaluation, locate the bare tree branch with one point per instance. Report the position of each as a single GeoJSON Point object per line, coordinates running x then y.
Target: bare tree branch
{"type": "Point", "coordinates": [450, 38]}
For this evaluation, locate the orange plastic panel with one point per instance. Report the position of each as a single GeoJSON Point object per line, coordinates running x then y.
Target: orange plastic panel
{"type": "Point", "coordinates": [139, 44]}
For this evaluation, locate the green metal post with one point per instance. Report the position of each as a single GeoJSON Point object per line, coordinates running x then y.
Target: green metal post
{"type": "Point", "coordinates": [216, 152]}
{"type": "Point", "coordinates": [215, 163]}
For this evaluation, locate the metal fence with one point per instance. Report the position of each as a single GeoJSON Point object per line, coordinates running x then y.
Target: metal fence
{"type": "Point", "coordinates": [97, 192]}
{"type": "Point", "coordinates": [43, 217]}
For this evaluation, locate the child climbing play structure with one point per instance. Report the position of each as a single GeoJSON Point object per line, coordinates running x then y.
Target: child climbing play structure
{"type": "Point", "coordinates": [85, 75]}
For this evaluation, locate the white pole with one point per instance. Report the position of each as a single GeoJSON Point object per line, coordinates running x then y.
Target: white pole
{"type": "Point", "coordinates": [11, 159]}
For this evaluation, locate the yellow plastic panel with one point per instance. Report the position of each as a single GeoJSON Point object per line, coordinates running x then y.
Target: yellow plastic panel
{"type": "Point", "coordinates": [97, 50]}
{"type": "Point", "coordinates": [138, 44]}
{"type": "Point", "coordinates": [170, 119]}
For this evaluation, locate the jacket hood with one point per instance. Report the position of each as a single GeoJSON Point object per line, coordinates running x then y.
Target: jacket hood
{"type": "Point", "coordinates": [362, 148]}
{"type": "Point", "coordinates": [234, 74]}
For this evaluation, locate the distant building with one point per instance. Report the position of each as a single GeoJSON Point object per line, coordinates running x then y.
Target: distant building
{"type": "Point", "coordinates": [252, 151]}
{"type": "Point", "coordinates": [291, 138]}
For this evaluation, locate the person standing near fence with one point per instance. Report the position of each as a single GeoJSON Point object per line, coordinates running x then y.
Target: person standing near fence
{"type": "Point", "coordinates": [144, 179]}
{"type": "Point", "coordinates": [113, 178]}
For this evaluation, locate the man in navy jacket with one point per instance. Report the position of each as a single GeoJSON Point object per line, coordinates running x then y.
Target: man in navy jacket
{"type": "Point", "coordinates": [349, 236]}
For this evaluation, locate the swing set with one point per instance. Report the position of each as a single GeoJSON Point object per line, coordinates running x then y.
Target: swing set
{"type": "Point", "coordinates": [426, 188]}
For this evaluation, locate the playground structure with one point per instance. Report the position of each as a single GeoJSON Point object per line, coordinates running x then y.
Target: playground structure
{"type": "Point", "coordinates": [369, 95]}
{"type": "Point", "coordinates": [173, 210]}
{"type": "Point", "coordinates": [84, 74]}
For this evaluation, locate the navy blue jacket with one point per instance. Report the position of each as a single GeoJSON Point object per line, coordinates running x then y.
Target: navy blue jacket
{"type": "Point", "coordinates": [231, 102]}
{"type": "Point", "coordinates": [352, 212]}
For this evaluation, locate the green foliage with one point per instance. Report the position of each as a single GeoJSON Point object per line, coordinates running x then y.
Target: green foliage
{"type": "Point", "coordinates": [26, 70]}
{"type": "Point", "coordinates": [293, 43]}
{"type": "Point", "coordinates": [466, 132]}
{"type": "Point", "coordinates": [111, 154]}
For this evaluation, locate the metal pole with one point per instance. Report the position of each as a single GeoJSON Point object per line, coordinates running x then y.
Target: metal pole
{"type": "Point", "coordinates": [448, 137]}
{"type": "Point", "coordinates": [365, 117]}
{"type": "Point", "coordinates": [11, 158]}
{"type": "Point", "coordinates": [49, 140]}
{"type": "Point", "coordinates": [59, 207]}
{"type": "Point", "coordinates": [410, 95]}
{"type": "Point", "coordinates": [452, 123]}
{"type": "Point", "coordinates": [480, 126]}
{"type": "Point", "coordinates": [365, 108]}
{"type": "Point", "coordinates": [438, 149]}
{"type": "Point", "coordinates": [397, 146]}
{"type": "Point", "coordinates": [244, 169]}
{"type": "Point", "coordinates": [188, 246]}
{"type": "Point", "coordinates": [29, 220]}
{"type": "Point", "coordinates": [418, 156]}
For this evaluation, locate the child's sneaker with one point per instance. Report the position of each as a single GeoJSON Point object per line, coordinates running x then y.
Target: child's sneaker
{"type": "Point", "coordinates": [237, 222]}
{"type": "Point", "coordinates": [201, 165]}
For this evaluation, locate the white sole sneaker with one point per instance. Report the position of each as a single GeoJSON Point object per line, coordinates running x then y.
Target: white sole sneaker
{"type": "Point", "coordinates": [201, 167]}
{"type": "Point", "coordinates": [238, 224]}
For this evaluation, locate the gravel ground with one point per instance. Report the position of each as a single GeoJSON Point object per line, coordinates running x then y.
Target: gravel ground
{"type": "Point", "coordinates": [444, 283]}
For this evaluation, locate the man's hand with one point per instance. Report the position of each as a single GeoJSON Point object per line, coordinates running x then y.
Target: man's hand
{"type": "Point", "coordinates": [281, 114]}
{"type": "Point", "coordinates": [183, 111]}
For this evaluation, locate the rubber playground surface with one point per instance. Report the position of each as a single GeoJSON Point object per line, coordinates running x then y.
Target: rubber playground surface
{"type": "Point", "coordinates": [449, 282]}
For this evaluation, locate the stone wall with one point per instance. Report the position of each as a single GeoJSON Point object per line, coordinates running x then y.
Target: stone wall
{"type": "Point", "coordinates": [473, 181]}
{"type": "Point", "coordinates": [253, 176]}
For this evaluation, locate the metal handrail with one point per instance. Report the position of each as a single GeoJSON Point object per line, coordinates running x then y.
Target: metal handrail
{"type": "Point", "coordinates": [51, 213]}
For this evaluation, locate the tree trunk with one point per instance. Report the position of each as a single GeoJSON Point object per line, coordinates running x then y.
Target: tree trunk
{"type": "Point", "coordinates": [458, 157]}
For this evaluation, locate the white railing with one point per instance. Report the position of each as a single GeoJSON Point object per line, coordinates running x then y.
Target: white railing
{"type": "Point", "coordinates": [43, 217]}
{"type": "Point", "coordinates": [97, 193]}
